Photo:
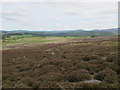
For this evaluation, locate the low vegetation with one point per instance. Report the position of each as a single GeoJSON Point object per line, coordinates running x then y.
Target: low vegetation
{"type": "Point", "coordinates": [63, 65]}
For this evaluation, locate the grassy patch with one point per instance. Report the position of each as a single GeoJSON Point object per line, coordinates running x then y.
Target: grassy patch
{"type": "Point", "coordinates": [26, 40]}
{"type": "Point", "coordinates": [110, 43]}
{"type": "Point", "coordinates": [75, 37]}
{"type": "Point", "coordinates": [30, 40]}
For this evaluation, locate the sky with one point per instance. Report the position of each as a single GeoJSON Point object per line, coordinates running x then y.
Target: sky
{"type": "Point", "coordinates": [47, 16]}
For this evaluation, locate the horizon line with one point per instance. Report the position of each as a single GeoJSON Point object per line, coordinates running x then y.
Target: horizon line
{"type": "Point", "coordinates": [59, 30]}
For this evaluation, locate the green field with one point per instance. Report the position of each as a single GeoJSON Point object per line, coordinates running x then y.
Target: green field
{"type": "Point", "coordinates": [25, 40]}
{"type": "Point", "coordinates": [29, 39]}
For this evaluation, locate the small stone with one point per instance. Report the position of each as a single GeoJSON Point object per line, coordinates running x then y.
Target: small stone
{"type": "Point", "coordinates": [53, 53]}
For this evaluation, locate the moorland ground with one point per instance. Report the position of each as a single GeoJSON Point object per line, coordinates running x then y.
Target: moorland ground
{"type": "Point", "coordinates": [60, 62]}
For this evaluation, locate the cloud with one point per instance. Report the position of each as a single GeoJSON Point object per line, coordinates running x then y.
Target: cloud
{"type": "Point", "coordinates": [59, 16]}
{"type": "Point", "coordinates": [91, 9]}
{"type": "Point", "coordinates": [16, 15]}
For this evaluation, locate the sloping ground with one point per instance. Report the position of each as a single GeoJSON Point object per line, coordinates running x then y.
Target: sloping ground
{"type": "Point", "coordinates": [66, 65]}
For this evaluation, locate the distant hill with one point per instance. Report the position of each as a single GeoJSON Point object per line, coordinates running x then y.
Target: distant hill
{"type": "Point", "coordinates": [112, 30]}
{"type": "Point", "coordinates": [75, 33]}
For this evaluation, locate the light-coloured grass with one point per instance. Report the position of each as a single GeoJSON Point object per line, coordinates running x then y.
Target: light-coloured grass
{"type": "Point", "coordinates": [32, 40]}
{"type": "Point", "coordinates": [29, 39]}
{"type": "Point", "coordinates": [110, 43]}
{"type": "Point", "coordinates": [75, 37]}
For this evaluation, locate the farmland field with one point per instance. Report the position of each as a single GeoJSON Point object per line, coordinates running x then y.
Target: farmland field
{"type": "Point", "coordinates": [60, 62]}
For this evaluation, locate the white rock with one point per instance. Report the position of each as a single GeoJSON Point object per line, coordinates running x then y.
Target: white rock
{"type": "Point", "coordinates": [93, 81]}
{"type": "Point", "coordinates": [53, 53]}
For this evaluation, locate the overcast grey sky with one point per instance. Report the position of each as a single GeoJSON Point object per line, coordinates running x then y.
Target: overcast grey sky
{"type": "Point", "coordinates": [59, 15]}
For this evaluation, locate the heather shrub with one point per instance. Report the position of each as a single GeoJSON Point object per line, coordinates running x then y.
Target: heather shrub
{"type": "Point", "coordinates": [107, 75]}
{"type": "Point", "coordinates": [78, 75]}
{"type": "Point", "coordinates": [112, 66]}
{"type": "Point", "coordinates": [31, 73]}
{"type": "Point", "coordinates": [100, 67]}
{"type": "Point", "coordinates": [28, 81]}
{"type": "Point", "coordinates": [78, 84]}
{"type": "Point", "coordinates": [108, 85]}
{"type": "Point", "coordinates": [113, 86]}
{"type": "Point", "coordinates": [25, 67]}
{"type": "Point", "coordinates": [91, 85]}
{"type": "Point", "coordinates": [21, 85]}
{"type": "Point", "coordinates": [7, 84]}
{"type": "Point", "coordinates": [118, 78]}
{"type": "Point", "coordinates": [65, 85]}
{"type": "Point", "coordinates": [111, 79]}
{"type": "Point", "coordinates": [92, 68]}
{"type": "Point", "coordinates": [11, 77]}
{"type": "Point", "coordinates": [111, 58]}
{"type": "Point", "coordinates": [103, 84]}
{"type": "Point", "coordinates": [90, 57]}
{"type": "Point", "coordinates": [69, 66]}
{"type": "Point", "coordinates": [50, 68]}
{"type": "Point", "coordinates": [81, 65]}
{"type": "Point", "coordinates": [45, 84]}
{"type": "Point", "coordinates": [52, 76]}
{"type": "Point", "coordinates": [95, 61]}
